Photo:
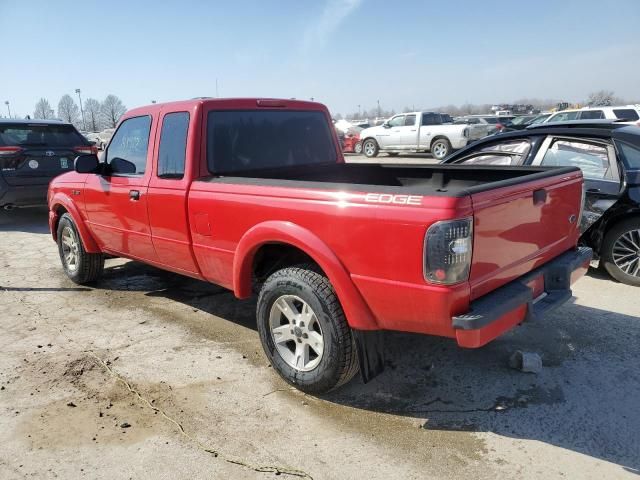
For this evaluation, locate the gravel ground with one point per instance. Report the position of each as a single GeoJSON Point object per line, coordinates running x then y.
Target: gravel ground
{"type": "Point", "coordinates": [151, 375]}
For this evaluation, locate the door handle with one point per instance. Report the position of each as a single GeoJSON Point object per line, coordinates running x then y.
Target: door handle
{"type": "Point", "coordinates": [593, 190]}
{"type": "Point", "coordinates": [134, 195]}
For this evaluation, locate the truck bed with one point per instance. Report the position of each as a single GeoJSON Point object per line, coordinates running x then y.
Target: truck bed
{"type": "Point", "coordinates": [430, 180]}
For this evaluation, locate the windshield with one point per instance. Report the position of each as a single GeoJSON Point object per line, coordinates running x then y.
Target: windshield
{"type": "Point", "coordinates": [257, 139]}
{"type": "Point", "coordinates": [39, 135]}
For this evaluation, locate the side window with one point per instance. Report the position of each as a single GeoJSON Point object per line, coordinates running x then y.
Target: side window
{"type": "Point", "coordinates": [428, 119]}
{"type": "Point", "coordinates": [173, 145]}
{"type": "Point", "coordinates": [591, 115]}
{"type": "Point", "coordinates": [127, 152]}
{"type": "Point", "coordinates": [409, 121]}
{"type": "Point", "coordinates": [563, 117]}
{"type": "Point", "coordinates": [630, 154]}
{"type": "Point", "coordinates": [592, 159]}
{"type": "Point", "coordinates": [397, 121]}
{"type": "Point", "coordinates": [628, 114]}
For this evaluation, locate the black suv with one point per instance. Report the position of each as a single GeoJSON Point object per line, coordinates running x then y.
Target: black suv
{"type": "Point", "coordinates": [609, 155]}
{"type": "Point", "coordinates": [32, 152]}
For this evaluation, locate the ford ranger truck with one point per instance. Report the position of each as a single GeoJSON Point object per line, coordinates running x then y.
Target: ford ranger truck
{"type": "Point", "coordinates": [254, 195]}
{"type": "Point", "coordinates": [418, 132]}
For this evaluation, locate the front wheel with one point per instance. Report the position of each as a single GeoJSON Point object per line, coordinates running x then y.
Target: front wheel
{"type": "Point", "coordinates": [440, 148]}
{"type": "Point", "coordinates": [81, 267]}
{"type": "Point", "coordinates": [304, 332]}
{"type": "Point", "coordinates": [621, 252]}
{"type": "Point", "coordinates": [357, 148]}
{"type": "Point", "coordinates": [370, 148]}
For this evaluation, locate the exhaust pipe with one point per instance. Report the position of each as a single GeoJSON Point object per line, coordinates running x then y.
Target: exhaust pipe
{"type": "Point", "coordinates": [9, 206]}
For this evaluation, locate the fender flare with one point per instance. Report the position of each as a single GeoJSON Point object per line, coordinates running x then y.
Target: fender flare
{"type": "Point", "coordinates": [62, 200]}
{"type": "Point", "coordinates": [357, 311]}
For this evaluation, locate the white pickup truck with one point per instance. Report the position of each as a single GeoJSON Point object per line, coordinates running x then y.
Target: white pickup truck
{"type": "Point", "coordinates": [418, 132]}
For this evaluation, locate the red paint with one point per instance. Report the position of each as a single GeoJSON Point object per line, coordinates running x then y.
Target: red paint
{"type": "Point", "coordinates": [370, 249]}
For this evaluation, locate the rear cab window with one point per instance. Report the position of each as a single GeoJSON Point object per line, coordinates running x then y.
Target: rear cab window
{"type": "Point", "coordinates": [17, 135]}
{"type": "Point", "coordinates": [127, 152]}
{"type": "Point", "coordinates": [246, 140]}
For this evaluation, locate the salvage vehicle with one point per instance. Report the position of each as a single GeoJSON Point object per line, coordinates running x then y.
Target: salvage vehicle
{"type": "Point", "coordinates": [32, 152]}
{"type": "Point", "coordinates": [625, 113]}
{"type": "Point", "coordinates": [491, 124]}
{"type": "Point", "coordinates": [254, 195]}
{"type": "Point", "coordinates": [418, 132]}
{"type": "Point", "coordinates": [609, 155]}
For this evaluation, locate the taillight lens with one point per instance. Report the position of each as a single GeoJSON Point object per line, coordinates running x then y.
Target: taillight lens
{"type": "Point", "coordinates": [448, 247]}
{"type": "Point", "coordinates": [7, 151]}
{"type": "Point", "coordinates": [87, 149]}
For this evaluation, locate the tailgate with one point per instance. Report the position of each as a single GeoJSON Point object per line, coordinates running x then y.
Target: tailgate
{"type": "Point", "coordinates": [519, 227]}
{"type": "Point", "coordinates": [477, 131]}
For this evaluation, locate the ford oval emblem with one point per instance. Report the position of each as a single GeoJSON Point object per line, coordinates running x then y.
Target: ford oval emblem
{"type": "Point", "coordinates": [49, 153]}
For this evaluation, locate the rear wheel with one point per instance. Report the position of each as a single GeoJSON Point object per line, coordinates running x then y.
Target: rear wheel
{"type": "Point", "coordinates": [370, 148]}
{"type": "Point", "coordinates": [304, 332]}
{"type": "Point", "coordinates": [440, 148]}
{"type": "Point", "coordinates": [81, 267]}
{"type": "Point", "coordinates": [620, 253]}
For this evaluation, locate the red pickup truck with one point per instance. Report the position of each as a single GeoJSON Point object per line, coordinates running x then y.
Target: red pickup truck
{"type": "Point", "coordinates": [254, 195]}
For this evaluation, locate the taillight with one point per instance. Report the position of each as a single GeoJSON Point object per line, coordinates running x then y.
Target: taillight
{"type": "Point", "coordinates": [6, 151]}
{"type": "Point", "coordinates": [86, 149]}
{"type": "Point", "coordinates": [448, 247]}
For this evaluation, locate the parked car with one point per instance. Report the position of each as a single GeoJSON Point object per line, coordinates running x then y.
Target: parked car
{"type": "Point", "coordinates": [254, 194]}
{"type": "Point", "coordinates": [609, 155]}
{"type": "Point", "coordinates": [417, 132]}
{"type": "Point", "coordinates": [104, 137]}
{"type": "Point", "coordinates": [520, 122]}
{"type": "Point", "coordinates": [627, 113]}
{"type": "Point", "coordinates": [93, 138]}
{"type": "Point", "coordinates": [32, 152]}
{"type": "Point", "coordinates": [489, 124]}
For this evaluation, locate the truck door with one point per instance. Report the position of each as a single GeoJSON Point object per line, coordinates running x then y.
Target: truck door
{"type": "Point", "coordinates": [597, 160]}
{"type": "Point", "coordinates": [427, 123]}
{"type": "Point", "coordinates": [391, 136]}
{"type": "Point", "coordinates": [116, 202]}
{"type": "Point", "coordinates": [167, 199]}
{"type": "Point", "coordinates": [409, 135]}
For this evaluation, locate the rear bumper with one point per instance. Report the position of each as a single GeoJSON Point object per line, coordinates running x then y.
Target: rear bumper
{"type": "Point", "coordinates": [22, 195]}
{"type": "Point", "coordinates": [527, 298]}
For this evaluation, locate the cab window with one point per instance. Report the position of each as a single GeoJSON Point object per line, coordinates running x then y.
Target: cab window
{"type": "Point", "coordinates": [173, 145]}
{"type": "Point", "coordinates": [409, 121]}
{"type": "Point", "coordinates": [591, 158]}
{"type": "Point", "coordinates": [127, 152]}
{"type": "Point", "coordinates": [397, 121]}
{"type": "Point", "coordinates": [563, 117]}
{"type": "Point", "coordinates": [591, 115]}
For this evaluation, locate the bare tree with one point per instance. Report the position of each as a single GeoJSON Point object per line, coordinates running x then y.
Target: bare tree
{"type": "Point", "coordinates": [111, 110]}
{"type": "Point", "coordinates": [43, 109]}
{"type": "Point", "coordinates": [92, 114]}
{"type": "Point", "coordinates": [68, 110]}
{"type": "Point", "coordinates": [601, 98]}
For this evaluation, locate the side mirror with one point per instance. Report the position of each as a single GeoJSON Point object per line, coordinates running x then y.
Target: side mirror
{"type": "Point", "coordinates": [121, 165]}
{"type": "Point", "coordinates": [86, 164]}
{"type": "Point", "coordinates": [386, 125]}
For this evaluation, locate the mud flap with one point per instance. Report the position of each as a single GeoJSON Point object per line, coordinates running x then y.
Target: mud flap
{"type": "Point", "coordinates": [370, 350]}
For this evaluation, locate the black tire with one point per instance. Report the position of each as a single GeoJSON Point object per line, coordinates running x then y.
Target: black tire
{"type": "Point", "coordinates": [370, 148]}
{"type": "Point", "coordinates": [628, 227]}
{"type": "Point", "coordinates": [88, 267]}
{"type": "Point", "coordinates": [393, 154]}
{"type": "Point", "coordinates": [440, 148]}
{"type": "Point", "coordinates": [338, 363]}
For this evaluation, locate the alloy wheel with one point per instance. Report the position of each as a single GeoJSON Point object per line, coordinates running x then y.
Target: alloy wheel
{"type": "Point", "coordinates": [626, 253]}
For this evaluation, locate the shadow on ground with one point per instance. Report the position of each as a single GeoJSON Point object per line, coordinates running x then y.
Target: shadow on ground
{"type": "Point", "coordinates": [585, 399]}
{"type": "Point", "coordinates": [28, 220]}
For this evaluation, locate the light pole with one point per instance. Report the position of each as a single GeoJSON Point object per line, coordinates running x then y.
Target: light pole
{"type": "Point", "coordinates": [378, 108]}
{"type": "Point", "coordinates": [84, 125]}
{"type": "Point", "coordinates": [359, 115]}
{"type": "Point", "coordinates": [6, 102]}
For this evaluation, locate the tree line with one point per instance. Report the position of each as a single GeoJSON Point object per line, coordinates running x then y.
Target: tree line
{"type": "Point", "coordinates": [97, 115]}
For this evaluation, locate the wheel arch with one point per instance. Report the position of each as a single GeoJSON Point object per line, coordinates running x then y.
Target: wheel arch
{"type": "Point", "coordinates": [290, 235]}
{"type": "Point", "coordinates": [439, 137]}
{"type": "Point", "coordinates": [607, 222]}
{"type": "Point", "coordinates": [61, 204]}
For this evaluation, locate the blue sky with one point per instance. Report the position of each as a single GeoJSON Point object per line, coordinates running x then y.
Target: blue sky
{"type": "Point", "coordinates": [341, 52]}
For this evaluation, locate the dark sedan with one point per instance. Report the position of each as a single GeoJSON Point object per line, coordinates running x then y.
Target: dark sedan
{"type": "Point", "coordinates": [609, 155]}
